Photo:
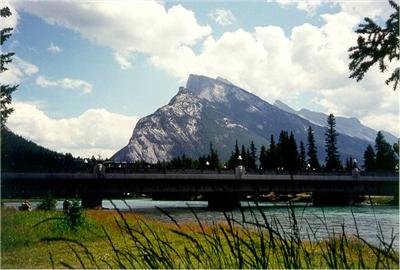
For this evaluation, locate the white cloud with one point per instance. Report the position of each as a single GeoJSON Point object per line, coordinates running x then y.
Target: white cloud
{"type": "Point", "coordinates": [96, 131]}
{"type": "Point", "coordinates": [124, 59]}
{"type": "Point", "coordinates": [311, 59]}
{"type": "Point", "coordinates": [18, 69]}
{"type": "Point", "coordinates": [361, 9]}
{"type": "Point", "coordinates": [126, 26]}
{"type": "Point", "coordinates": [66, 83]}
{"type": "Point", "coordinates": [366, 8]}
{"type": "Point", "coordinates": [53, 48]}
{"type": "Point", "coordinates": [370, 100]}
{"type": "Point", "coordinates": [223, 17]}
{"type": "Point", "coordinates": [308, 6]}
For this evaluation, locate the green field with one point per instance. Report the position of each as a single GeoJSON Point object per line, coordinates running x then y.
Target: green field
{"type": "Point", "coordinates": [109, 239]}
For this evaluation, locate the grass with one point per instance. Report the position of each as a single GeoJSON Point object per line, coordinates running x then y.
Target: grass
{"type": "Point", "coordinates": [114, 239]}
{"type": "Point", "coordinates": [381, 200]}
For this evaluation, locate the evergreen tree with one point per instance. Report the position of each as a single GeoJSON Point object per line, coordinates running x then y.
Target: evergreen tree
{"type": "Point", "coordinates": [369, 159]}
{"type": "Point", "coordinates": [233, 160]}
{"type": "Point", "coordinates": [396, 148]}
{"type": "Point", "coordinates": [376, 44]}
{"type": "Point", "coordinates": [385, 156]}
{"type": "Point", "coordinates": [332, 155]}
{"type": "Point", "coordinates": [253, 156]}
{"type": "Point", "coordinates": [271, 162]}
{"type": "Point", "coordinates": [247, 160]}
{"type": "Point", "coordinates": [302, 157]}
{"type": "Point", "coordinates": [213, 158]}
{"type": "Point", "coordinates": [293, 155]}
{"type": "Point", "coordinates": [244, 157]}
{"type": "Point", "coordinates": [202, 162]}
{"type": "Point", "coordinates": [263, 158]}
{"type": "Point", "coordinates": [350, 165]}
{"type": "Point", "coordinates": [283, 150]}
{"type": "Point", "coordinates": [6, 89]}
{"type": "Point", "coordinates": [237, 153]}
{"type": "Point", "coordinates": [312, 151]}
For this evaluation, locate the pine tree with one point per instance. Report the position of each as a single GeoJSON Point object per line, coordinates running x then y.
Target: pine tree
{"type": "Point", "coordinates": [302, 157]}
{"type": "Point", "coordinates": [244, 157]}
{"type": "Point", "coordinates": [213, 158]}
{"type": "Point", "coordinates": [263, 158]}
{"type": "Point", "coordinates": [233, 160]}
{"type": "Point", "coordinates": [247, 159]}
{"type": "Point", "coordinates": [376, 45]}
{"type": "Point", "coordinates": [350, 165]}
{"type": "Point", "coordinates": [293, 155]}
{"type": "Point", "coordinates": [253, 156]}
{"type": "Point", "coordinates": [332, 155]}
{"type": "Point", "coordinates": [272, 155]}
{"type": "Point", "coordinates": [283, 150]}
{"type": "Point", "coordinates": [6, 90]}
{"type": "Point", "coordinates": [202, 162]}
{"type": "Point", "coordinates": [385, 156]}
{"type": "Point", "coordinates": [312, 151]}
{"type": "Point", "coordinates": [369, 159]}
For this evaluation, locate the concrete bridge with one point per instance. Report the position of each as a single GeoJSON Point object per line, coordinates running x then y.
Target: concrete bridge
{"type": "Point", "coordinates": [221, 190]}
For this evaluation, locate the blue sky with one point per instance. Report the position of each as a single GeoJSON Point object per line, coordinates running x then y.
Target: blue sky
{"type": "Point", "coordinates": [92, 69]}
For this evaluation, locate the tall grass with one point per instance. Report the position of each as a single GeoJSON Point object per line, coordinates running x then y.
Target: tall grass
{"type": "Point", "coordinates": [258, 241]}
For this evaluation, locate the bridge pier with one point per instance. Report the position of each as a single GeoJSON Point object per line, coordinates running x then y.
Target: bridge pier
{"type": "Point", "coordinates": [92, 201]}
{"type": "Point", "coordinates": [222, 201]}
{"type": "Point", "coordinates": [332, 198]}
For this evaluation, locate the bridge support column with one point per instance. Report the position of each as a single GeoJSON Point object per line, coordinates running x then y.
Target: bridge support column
{"type": "Point", "coordinates": [332, 199]}
{"type": "Point", "coordinates": [92, 201]}
{"type": "Point", "coordinates": [223, 201]}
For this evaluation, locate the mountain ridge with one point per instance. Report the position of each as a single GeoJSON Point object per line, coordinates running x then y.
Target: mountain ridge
{"type": "Point", "coordinates": [214, 110]}
{"type": "Point", "coordinates": [351, 126]}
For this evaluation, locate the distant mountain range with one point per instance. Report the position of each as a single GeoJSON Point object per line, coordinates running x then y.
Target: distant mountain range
{"type": "Point", "coordinates": [214, 110]}
{"type": "Point", "coordinates": [349, 126]}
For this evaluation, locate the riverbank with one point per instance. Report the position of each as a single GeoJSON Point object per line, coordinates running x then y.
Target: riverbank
{"type": "Point", "coordinates": [108, 239]}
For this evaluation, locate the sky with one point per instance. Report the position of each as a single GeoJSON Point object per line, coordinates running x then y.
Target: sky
{"type": "Point", "coordinates": [89, 70]}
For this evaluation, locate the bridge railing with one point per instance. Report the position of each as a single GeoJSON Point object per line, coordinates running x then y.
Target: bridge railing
{"type": "Point", "coordinates": [226, 172]}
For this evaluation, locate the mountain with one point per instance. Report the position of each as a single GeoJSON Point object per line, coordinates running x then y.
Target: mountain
{"type": "Point", "coordinates": [349, 126]}
{"type": "Point", "coordinates": [21, 155]}
{"type": "Point", "coordinates": [214, 110]}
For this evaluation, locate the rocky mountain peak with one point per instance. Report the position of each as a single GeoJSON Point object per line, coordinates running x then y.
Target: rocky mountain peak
{"type": "Point", "coordinates": [224, 80]}
{"type": "Point", "coordinates": [214, 110]}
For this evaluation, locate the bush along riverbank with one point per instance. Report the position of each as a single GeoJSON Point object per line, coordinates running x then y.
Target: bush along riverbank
{"type": "Point", "coordinates": [115, 239]}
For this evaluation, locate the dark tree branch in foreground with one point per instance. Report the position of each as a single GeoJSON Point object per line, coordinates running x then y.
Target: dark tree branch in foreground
{"type": "Point", "coordinates": [376, 44]}
{"type": "Point", "coordinates": [5, 58]}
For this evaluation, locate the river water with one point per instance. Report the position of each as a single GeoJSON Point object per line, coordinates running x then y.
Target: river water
{"type": "Point", "coordinates": [366, 218]}
{"type": "Point", "coordinates": [369, 220]}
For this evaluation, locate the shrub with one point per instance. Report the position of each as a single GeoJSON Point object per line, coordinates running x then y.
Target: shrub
{"type": "Point", "coordinates": [48, 203]}
{"type": "Point", "coordinates": [73, 216]}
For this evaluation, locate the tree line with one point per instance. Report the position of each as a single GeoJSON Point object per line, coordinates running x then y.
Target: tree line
{"type": "Point", "coordinates": [286, 155]}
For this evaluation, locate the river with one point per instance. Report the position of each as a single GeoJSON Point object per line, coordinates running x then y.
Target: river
{"type": "Point", "coordinates": [366, 218]}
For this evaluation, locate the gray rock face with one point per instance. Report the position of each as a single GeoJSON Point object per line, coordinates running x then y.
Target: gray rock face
{"type": "Point", "coordinates": [215, 110]}
{"type": "Point", "coordinates": [349, 126]}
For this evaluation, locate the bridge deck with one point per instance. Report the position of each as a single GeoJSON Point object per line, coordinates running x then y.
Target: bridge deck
{"type": "Point", "coordinates": [16, 185]}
